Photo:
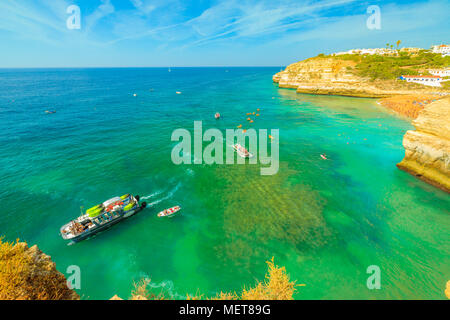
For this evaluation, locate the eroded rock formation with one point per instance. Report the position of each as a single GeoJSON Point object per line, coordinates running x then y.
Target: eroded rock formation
{"type": "Point", "coordinates": [427, 149]}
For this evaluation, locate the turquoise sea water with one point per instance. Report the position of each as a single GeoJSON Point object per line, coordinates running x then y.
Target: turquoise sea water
{"type": "Point", "coordinates": [326, 221]}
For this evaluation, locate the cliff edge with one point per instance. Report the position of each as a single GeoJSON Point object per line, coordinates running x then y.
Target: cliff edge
{"type": "Point", "coordinates": [29, 274]}
{"type": "Point", "coordinates": [427, 149]}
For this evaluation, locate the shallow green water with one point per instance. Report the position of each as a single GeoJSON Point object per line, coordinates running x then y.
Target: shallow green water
{"type": "Point", "coordinates": [326, 221]}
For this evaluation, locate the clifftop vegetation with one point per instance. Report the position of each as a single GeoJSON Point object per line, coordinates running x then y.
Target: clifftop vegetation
{"type": "Point", "coordinates": [391, 67]}
{"type": "Point", "coordinates": [358, 74]}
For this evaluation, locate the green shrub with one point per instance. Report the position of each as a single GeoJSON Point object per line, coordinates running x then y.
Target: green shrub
{"type": "Point", "coordinates": [392, 67]}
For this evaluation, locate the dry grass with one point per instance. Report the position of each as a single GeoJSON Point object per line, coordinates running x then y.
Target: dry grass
{"type": "Point", "coordinates": [276, 286]}
{"type": "Point", "coordinates": [25, 276]}
{"type": "Point", "coordinates": [142, 292]}
{"type": "Point", "coordinates": [226, 296]}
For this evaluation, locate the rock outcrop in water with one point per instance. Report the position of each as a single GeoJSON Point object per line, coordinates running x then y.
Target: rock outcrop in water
{"type": "Point", "coordinates": [29, 274]}
{"type": "Point", "coordinates": [427, 148]}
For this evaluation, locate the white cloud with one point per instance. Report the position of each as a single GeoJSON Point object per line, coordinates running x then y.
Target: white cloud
{"type": "Point", "coordinates": [144, 6]}
{"type": "Point", "coordinates": [175, 26]}
{"type": "Point", "coordinates": [103, 10]}
{"type": "Point", "coordinates": [31, 20]}
{"type": "Point", "coordinates": [395, 19]}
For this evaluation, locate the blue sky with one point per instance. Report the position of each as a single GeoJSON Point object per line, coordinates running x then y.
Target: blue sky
{"type": "Point", "coordinates": [122, 33]}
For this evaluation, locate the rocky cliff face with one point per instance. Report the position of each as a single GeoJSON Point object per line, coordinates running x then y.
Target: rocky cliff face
{"type": "Point", "coordinates": [427, 148]}
{"type": "Point", "coordinates": [29, 274]}
{"type": "Point", "coordinates": [334, 76]}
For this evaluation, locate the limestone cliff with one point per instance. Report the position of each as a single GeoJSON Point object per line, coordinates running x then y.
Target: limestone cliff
{"type": "Point", "coordinates": [28, 274]}
{"type": "Point", "coordinates": [335, 76]}
{"type": "Point", "coordinates": [427, 148]}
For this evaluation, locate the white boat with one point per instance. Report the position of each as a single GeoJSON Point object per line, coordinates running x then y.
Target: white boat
{"type": "Point", "coordinates": [169, 212]}
{"type": "Point", "coordinates": [101, 217]}
{"type": "Point", "coordinates": [241, 151]}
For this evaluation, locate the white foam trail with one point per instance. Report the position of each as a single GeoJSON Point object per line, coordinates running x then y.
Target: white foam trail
{"type": "Point", "coordinates": [151, 195]}
{"type": "Point", "coordinates": [169, 195]}
{"type": "Point", "coordinates": [167, 289]}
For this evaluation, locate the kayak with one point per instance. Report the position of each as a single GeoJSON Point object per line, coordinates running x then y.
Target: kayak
{"type": "Point", "coordinates": [169, 212]}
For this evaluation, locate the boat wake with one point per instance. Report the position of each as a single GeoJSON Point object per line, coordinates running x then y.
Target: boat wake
{"type": "Point", "coordinates": [154, 194]}
{"type": "Point", "coordinates": [165, 288]}
{"type": "Point", "coordinates": [169, 195]}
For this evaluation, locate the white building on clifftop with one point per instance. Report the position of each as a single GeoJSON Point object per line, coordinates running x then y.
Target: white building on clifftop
{"type": "Point", "coordinates": [440, 72]}
{"type": "Point", "coordinates": [432, 81]}
{"type": "Point", "coordinates": [378, 51]}
{"type": "Point", "coordinates": [443, 49]}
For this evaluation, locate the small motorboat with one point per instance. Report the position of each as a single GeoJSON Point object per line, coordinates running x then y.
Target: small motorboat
{"type": "Point", "coordinates": [169, 212]}
{"type": "Point", "coordinates": [217, 115]}
{"type": "Point", "coordinates": [242, 151]}
{"type": "Point", "coordinates": [324, 157]}
{"type": "Point", "coordinates": [178, 92]}
{"type": "Point", "coordinates": [50, 111]}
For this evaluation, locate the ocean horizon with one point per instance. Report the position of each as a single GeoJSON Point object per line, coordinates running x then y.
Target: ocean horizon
{"type": "Point", "coordinates": [131, 67]}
